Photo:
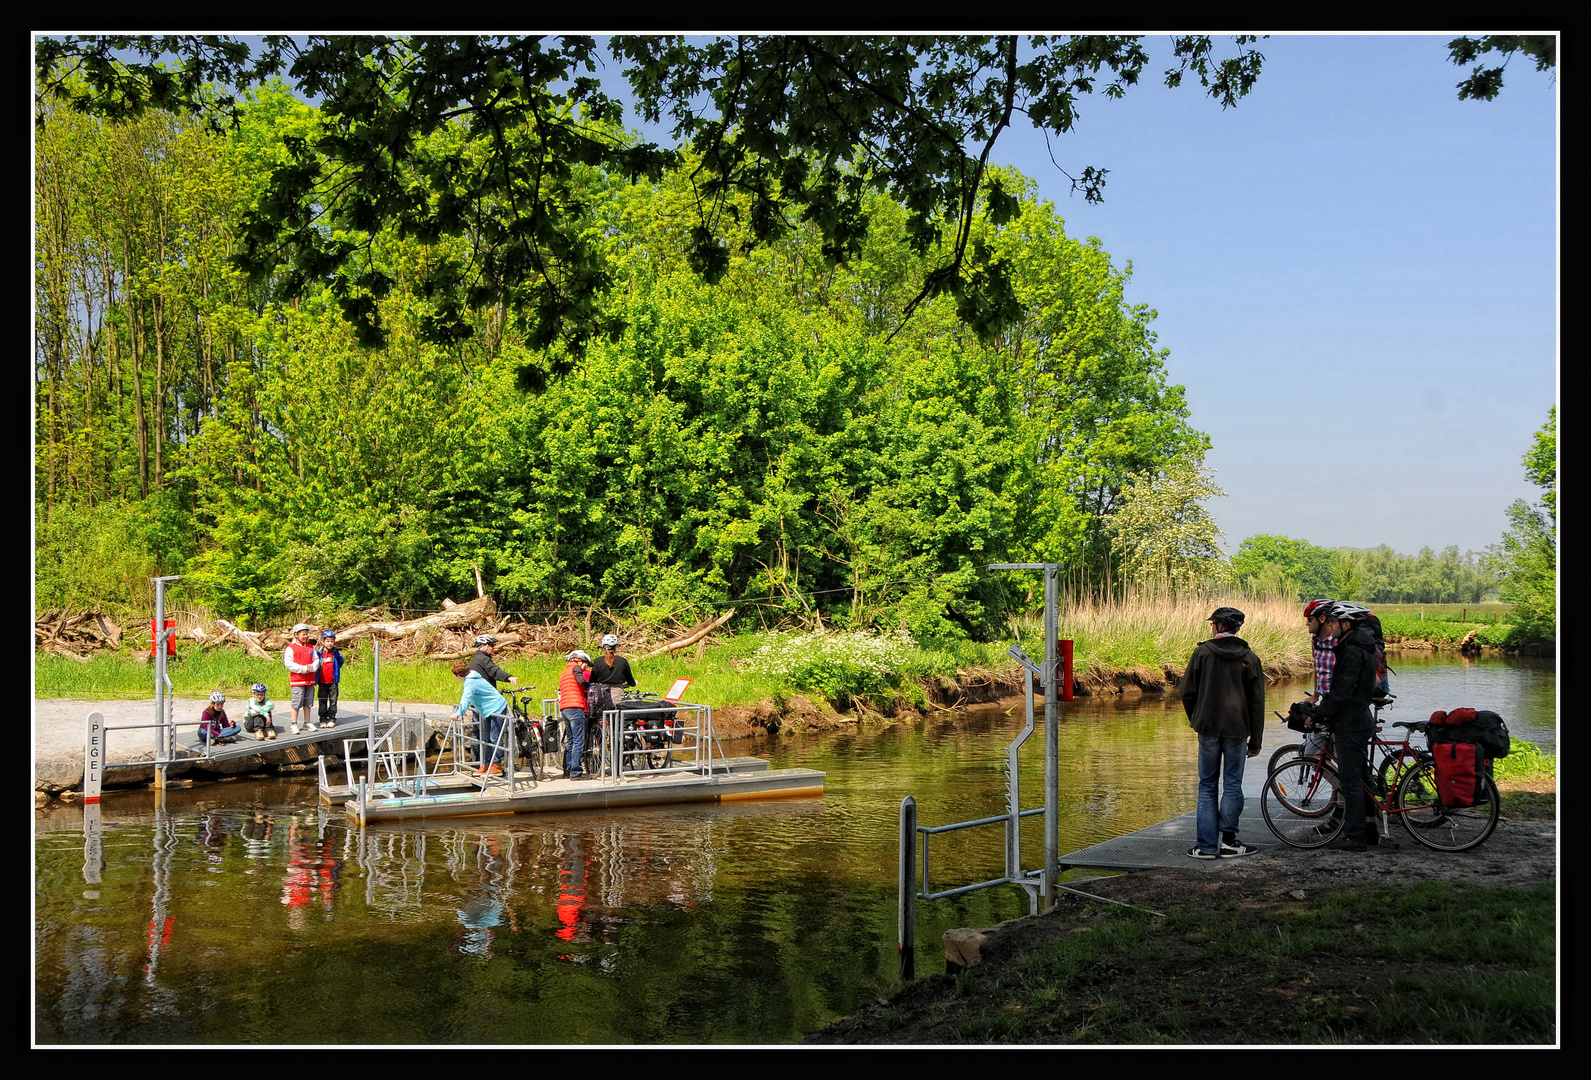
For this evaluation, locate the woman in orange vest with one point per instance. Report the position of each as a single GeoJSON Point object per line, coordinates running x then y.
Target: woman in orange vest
{"type": "Point", "coordinates": [573, 685]}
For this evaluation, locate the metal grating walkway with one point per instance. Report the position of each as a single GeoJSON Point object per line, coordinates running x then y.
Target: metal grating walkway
{"type": "Point", "coordinates": [1166, 844]}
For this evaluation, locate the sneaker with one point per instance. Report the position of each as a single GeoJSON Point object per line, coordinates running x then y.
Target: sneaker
{"type": "Point", "coordinates": [293, 728]}
{"type": "Point", "coordinates": [309, 727]}
{"type": "Point", "coordinates": [1235, 849]}
{"type": "Point", "coordinates": [328, 724]}
{"type": "Point", "coordinates": [259, 735]}
{"type": "Point", "coordinates": [1195, 853]}
{"type": "Point", "coordinates": [270, 733]}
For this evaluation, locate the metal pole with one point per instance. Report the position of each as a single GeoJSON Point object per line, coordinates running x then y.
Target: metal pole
{"type": "Point", "coordinates": [164, 739]}
{"type": "Point", "coordinates": [375, 706]}
{"type": "Point", "coordinates": [906, 936]}
{"type": "Point", "coordinates": [1052, 757]}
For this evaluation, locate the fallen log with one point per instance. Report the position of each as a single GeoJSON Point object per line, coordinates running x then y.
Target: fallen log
{"type": "Point", "coordinates": [457, 615]}
{"type": "Point", "coordinates": [250, 642]}
{"type": "Point", "coordinates": [691, 637]}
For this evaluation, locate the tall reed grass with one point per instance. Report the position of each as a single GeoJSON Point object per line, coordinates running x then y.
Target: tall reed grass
{"type": "Point", "coordinates": [1154, 633]}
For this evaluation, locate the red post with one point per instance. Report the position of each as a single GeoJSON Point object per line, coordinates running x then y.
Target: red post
{"type": "Point", "coordinates": [1066, 669]}
{"type": "Point", "coordinates": [171, 642]}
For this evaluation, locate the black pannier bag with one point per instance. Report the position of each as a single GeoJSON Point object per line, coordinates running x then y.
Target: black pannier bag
{"type": "Point", "coordinates": [1479, 726]}
{"type": "Point", "coordinates": [650, 716]}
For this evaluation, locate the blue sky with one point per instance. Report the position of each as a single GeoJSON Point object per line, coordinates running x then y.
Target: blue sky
{"type": "Point", "coordinates": [1356, 275]}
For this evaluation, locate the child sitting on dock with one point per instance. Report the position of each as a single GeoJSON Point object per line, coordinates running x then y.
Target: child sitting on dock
{"type": "Point", "coordinates": [213, 726]}
{"type": "Point", "coordinates": [257, 713]}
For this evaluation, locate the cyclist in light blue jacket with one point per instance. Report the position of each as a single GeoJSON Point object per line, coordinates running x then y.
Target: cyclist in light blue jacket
{"type": "Point", "coordinates": [490, 706]}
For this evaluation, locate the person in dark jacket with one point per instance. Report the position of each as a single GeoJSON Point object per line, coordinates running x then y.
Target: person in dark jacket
{"type": "Point", "coordinates": [484, 664]}
{"type": "Point", "coordinates": [611, 669]}
{"type": "Point", "coordinates": [1223, 693]}
{"type": "Point", "coordinates": [1345, 711]}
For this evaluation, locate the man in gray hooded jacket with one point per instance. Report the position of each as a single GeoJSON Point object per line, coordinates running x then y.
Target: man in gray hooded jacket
{"type": "Point", "coordinates": [1223, 693]}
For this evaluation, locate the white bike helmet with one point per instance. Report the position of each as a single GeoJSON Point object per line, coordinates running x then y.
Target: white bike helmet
{"type": "Point", "coordinates": [580, 654]}
{"type": "Point", "coordinates": [485, 640]}
{"type": "Point", "coordinates": [217, 697]}
{"type": "Point", "coordinates": [610, 641]}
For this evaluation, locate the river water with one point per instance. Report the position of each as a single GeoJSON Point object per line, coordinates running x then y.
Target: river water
{"type": "Point", "coordinates": [243, 913]}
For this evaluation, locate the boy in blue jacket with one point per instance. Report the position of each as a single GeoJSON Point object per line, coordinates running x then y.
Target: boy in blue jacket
{"type": "Point", "coordinates": [328, 677]}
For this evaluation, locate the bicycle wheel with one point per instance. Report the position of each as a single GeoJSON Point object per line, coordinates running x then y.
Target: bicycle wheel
{"type": "Point", "coordinates": [536, 761]}
{"type": "Point", "coordinates": [1285, 752]}
{"type": "Point", "coordinates": [1301, 803]}
{"type": "Point", "coordinates": [1394, 765]}
{"type": "Point", "coordinates": [1444, 828]}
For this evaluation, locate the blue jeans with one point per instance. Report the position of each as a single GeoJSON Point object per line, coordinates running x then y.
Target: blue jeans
{"type": "Point", "coordinates": [493, 731]}
{"type": "Point", "coordinates": [1220, 761]}
{"type": "Point", "coordinates": [574, 740]}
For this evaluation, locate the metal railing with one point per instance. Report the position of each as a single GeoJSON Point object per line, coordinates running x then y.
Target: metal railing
{"type": "Point", "coordinates": [695, 751]}
{"type": "Point", "coordinates": [1038, 884]}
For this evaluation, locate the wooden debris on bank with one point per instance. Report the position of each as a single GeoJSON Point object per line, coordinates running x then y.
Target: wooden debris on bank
{"type": "Point", "coordinates": [691, 637]}
{"type": "Point", "coordinates": [448, 634]}
{"type": "Point", "coordinates": [75, 635]}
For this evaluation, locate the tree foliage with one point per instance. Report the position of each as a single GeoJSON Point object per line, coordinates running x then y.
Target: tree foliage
{"type": "Point", "coordinates": [1273, 565]}
{"type": "Point", "coordinates": [779, 130]}
{"type": "Point", "coordinates": [1527, 557]}
{"type": "Point", "coordinates": [1165, 535]}
{"type": "Point", "coordinates": [776, 437]}
{"type": "Point", "coordinates": [1485, 83]}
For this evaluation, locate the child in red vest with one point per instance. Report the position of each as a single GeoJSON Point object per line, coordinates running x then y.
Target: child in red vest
{"type": "Point", "coordinates": [328, 677]}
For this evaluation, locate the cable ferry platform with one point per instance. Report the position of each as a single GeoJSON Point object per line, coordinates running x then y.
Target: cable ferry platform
{"type": "Point", "coordinates": [468, 795]}
{"type": "Point", "coordinates": [651, 753]}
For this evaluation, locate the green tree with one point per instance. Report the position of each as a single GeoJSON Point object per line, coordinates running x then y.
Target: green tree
{"type": "Point", "coordinates": [1164, 534]}
{"type": "Point", "coordinates": [1272, 558]}
{"type": "Point", "coordinates": [1527, 558]}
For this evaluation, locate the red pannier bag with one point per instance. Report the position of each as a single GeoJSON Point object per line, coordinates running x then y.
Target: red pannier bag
{"type": "Point", "coordinates": [1458, 772]}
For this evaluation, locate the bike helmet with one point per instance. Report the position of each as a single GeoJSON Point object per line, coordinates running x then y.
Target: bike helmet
{"type": "Point", "coordinates": [300, 626]}
{"type": "Point", "coordinates": [217, 697]}
{"type": "Point", "coordinates": [1231, 616]}
{"type": "Point", "coordinates": [257, 688]}
{"type": "Point", "coordinates": [485, 640]}
{"type": "Point", "coordinates": [610, 641]}
{"type": "Point", "coordinates": [1321, 608]}
{"type": "Point", "coordinates": [324, 634]}
{"type": "Point", "coordinates": [580, 654]}
{"type": "Point", "coordinates": [1348, 611]}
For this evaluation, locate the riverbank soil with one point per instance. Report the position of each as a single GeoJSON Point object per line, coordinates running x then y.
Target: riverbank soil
{"type": "Point", "coordinates": [1282, 947]}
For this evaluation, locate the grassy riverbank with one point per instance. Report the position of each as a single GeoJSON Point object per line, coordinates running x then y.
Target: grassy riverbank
{"type": "Point", "coordinates": [1136, 644]}
{"type": "Point", "coordinates": [1427, 963]}
{"type": "Point", "coordinates": [1445, 626]}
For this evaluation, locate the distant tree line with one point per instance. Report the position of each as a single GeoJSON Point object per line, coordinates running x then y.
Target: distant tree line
{"type": "Point", "coordinates": [1284, 566]}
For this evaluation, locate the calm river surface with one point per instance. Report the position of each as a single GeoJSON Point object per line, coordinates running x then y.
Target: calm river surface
{"type": "Point", "coordinates": [243, 913]}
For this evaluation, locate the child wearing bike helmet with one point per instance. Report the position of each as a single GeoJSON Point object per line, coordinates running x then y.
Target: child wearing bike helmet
{"type": "Point", "coordinates": [213, 726]}
{"type": "Point", "coordinates": [257, 713]}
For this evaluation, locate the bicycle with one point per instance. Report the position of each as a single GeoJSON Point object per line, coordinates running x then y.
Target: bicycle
{"type": "Point", "coordinates": [1303, 806]}
{"type": "Point", "coordinates": [530, 739]}
{"type": "Point", "coordinates": [1397, 756]}
{"type": "Point", "coordinates": [645, 736]}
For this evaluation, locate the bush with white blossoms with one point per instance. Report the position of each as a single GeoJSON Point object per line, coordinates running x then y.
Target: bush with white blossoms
{"type": "Point", "coordinates": [839, 664]}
